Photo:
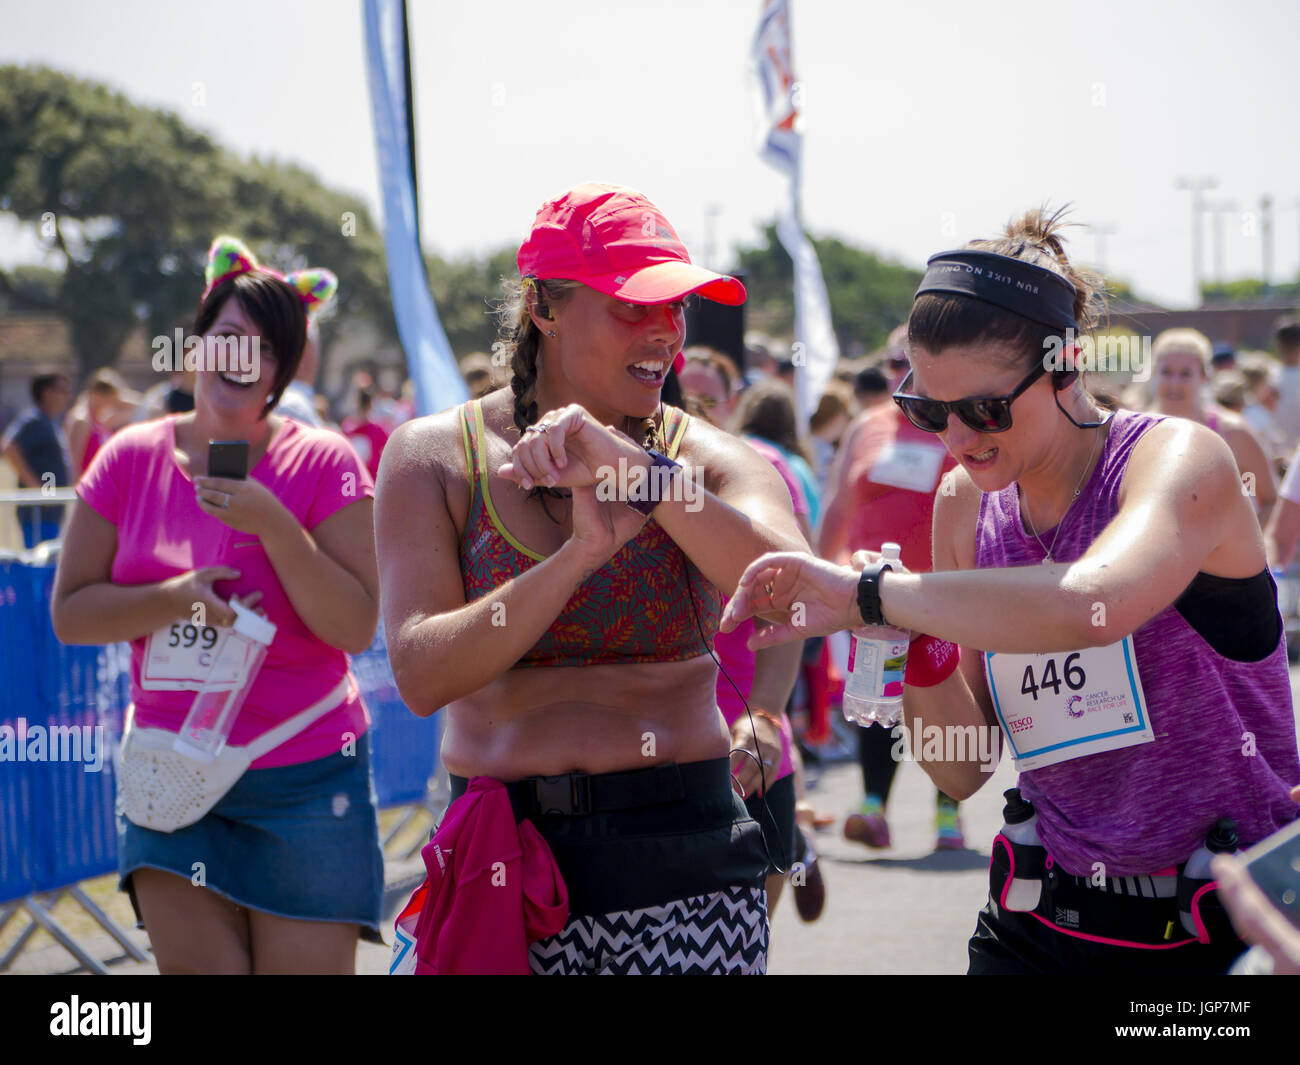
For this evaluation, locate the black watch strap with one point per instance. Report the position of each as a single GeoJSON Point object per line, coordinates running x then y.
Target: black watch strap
{"type": "Point", "coordinates": [653, 482]}
{"type": "Point", "coordinates": [869, 593]}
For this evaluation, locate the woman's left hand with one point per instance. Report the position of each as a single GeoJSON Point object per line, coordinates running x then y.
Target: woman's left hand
{"type": "Point", "coordinates": [568, 448]}
{"type": "Point", "coordinates": [245, 505]}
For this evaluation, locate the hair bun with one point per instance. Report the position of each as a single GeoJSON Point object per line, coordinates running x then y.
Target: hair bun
{"type": "Point", "coordinates": [1042, 230]}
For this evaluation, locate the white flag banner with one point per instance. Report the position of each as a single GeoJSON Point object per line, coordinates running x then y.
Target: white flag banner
{"type": "Point", "coordinates": [816, 350]}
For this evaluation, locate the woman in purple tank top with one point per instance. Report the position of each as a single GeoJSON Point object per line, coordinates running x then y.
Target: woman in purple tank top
{"type": "Point", "coordinates": [1106, 579]}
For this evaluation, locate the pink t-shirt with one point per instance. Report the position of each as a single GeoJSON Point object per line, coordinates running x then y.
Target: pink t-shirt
{"type": "Point", "coordinates": [369, 439]}
{"type": "Point", "coordinates": [136, 483]}
{"type": "Point", "coordinates": [739, 662]}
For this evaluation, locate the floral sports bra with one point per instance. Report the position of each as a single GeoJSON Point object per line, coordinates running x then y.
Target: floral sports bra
{"type": "Point", "coordinates": [648, 603]}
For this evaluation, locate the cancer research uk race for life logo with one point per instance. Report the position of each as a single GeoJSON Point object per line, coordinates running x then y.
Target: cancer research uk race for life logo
{"type": "Point", "coordinates": [1055, 707]}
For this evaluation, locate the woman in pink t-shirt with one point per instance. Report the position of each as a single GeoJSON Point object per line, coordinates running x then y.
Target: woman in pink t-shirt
{"type": "Point", "coordinates": [289, 856]}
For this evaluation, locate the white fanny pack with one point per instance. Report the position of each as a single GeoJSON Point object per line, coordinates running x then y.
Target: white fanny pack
{"type": "Point", "coordinates": [162, 789]}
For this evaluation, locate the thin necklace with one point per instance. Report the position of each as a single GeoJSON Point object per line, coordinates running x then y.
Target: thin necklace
{"type": "Point", "coordinates": [1047, 558]}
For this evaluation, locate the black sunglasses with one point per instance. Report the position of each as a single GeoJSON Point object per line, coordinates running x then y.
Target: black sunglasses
{"type": "Point", "coordinates": [991, 414]}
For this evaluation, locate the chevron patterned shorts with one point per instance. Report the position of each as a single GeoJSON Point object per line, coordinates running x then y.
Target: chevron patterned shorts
{"type": "Point", "coordinates": [722, 932]}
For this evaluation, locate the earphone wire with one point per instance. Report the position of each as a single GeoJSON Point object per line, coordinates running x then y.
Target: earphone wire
{"type": "Point", "coordinates": [1056, 395]}
{"type": "Point", "coordinates": [757, 755]}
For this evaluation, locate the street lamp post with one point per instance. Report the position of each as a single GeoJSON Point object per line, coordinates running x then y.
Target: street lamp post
{"type": "Point", "coordinates": [1196, 186]}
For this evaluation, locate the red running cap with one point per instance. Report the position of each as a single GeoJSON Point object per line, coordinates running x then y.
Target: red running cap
{"type": "Point", "coordinates": [617, 242]}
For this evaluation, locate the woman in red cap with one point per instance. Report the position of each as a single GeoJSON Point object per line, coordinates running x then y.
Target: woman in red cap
{"type": "Point", "coordinates": [550, 563]}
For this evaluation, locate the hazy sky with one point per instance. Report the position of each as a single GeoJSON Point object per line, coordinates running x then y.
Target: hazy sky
{"type": "Point", "coordinates": [926, 124]}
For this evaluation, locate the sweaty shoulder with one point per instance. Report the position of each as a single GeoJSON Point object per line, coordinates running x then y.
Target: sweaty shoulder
{"type": "Point", "coordinates": [431, 444]}
{"type": "Point", "coordinates": [1180, 454]}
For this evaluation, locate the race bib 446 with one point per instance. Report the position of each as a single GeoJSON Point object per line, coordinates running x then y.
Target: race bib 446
{"type": "Point", "coordinates": [1055, 707]}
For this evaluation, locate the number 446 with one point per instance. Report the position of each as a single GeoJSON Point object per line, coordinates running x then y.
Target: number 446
{"type": "Point", "coordinates": [1073, 675]}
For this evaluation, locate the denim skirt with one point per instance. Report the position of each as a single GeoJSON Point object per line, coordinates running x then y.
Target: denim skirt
{"type": "Point", "coordinates": [297, 841]}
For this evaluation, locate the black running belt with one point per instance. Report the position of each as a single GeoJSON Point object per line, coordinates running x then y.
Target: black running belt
{"type": "Point", "coordinates": [579, 794]}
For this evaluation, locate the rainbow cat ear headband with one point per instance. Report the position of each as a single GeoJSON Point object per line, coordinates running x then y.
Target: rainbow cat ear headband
{"type": "Point", "coordinates": [228, 257]}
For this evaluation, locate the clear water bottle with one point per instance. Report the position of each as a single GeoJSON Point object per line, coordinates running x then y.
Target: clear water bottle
{"type": "Point", "coordinates": [1020, 825]}
{"type": "Point", "coordinates": [873, 690]}
{"type": "Point", "coordinates": [235, 665]}
{"type": "Point", "coordinates": [1222, 839]}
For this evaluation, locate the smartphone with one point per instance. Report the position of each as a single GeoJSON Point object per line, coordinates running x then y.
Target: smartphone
{"type": "Point", "coordinates": [1274, 864]}
{"type": "Point", "coordinates": [228, 458]}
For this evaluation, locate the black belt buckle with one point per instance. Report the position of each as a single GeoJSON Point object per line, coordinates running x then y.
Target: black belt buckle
{"type": "Point", "coordinates": [568, 794]}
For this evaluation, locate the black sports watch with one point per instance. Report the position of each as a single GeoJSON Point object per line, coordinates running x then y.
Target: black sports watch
{"type": "Point", "coordinates": [654, 480]}
{"type": "Point", "coordinates": [869, 593]}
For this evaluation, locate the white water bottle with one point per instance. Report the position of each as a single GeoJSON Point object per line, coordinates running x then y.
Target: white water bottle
{"type": "Point", "coordinates": [1020, 825]}
{"type": "Point", "coordinates": [873, 690]}
{"type": "Point", "coordinates": [234, 668]}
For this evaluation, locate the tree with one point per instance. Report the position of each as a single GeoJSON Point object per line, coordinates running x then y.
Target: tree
{"type": "Point", "coordinates": [868, 295]}
{"type": "Point", "coordinates": [1248, 290]}
{"type": "Point", "coordinates": [467, 291]}
{"type": "Point", "coordinates": [131, 197]}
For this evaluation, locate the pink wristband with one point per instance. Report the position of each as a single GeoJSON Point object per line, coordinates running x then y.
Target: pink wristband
{"type": "Point", "coordinates": [930, 661]}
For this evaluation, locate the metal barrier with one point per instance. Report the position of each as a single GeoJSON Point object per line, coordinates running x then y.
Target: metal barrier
{"type": "Point", "coordinates": [57, 820]}
{"type": "Point", "coordinates": [11, 531]}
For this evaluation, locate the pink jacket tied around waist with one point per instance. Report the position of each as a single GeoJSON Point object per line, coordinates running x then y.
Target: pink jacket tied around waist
{"type": "Point", "coordinates": [492, 888]}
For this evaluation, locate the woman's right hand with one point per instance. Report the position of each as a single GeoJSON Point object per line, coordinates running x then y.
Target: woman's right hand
{"type": "Point", "coordinates": [194, 589]}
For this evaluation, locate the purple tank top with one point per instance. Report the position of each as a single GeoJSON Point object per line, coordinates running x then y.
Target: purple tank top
{"type": "Point", "coordinates": [1143, 808]}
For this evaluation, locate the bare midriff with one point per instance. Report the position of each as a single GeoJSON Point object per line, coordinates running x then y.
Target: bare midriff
{"type": "Point", "coordinates": [543, 721]}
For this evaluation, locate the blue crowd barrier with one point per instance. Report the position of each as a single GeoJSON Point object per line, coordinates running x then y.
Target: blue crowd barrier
{"type": "Point", "coordinates": [77, 812]}
{"type": "Point", "coordinates": [57, 820]}
{"type": "Point", "coordinates": [21, 863]}
{"type": "Point", "coordinates": [403, 747]}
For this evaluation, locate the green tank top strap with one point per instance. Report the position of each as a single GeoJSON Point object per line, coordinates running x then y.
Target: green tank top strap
{"type": "Point", "coordinates": [469, 434]}
{"type": "Point", "coordinates": [674, 428]}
